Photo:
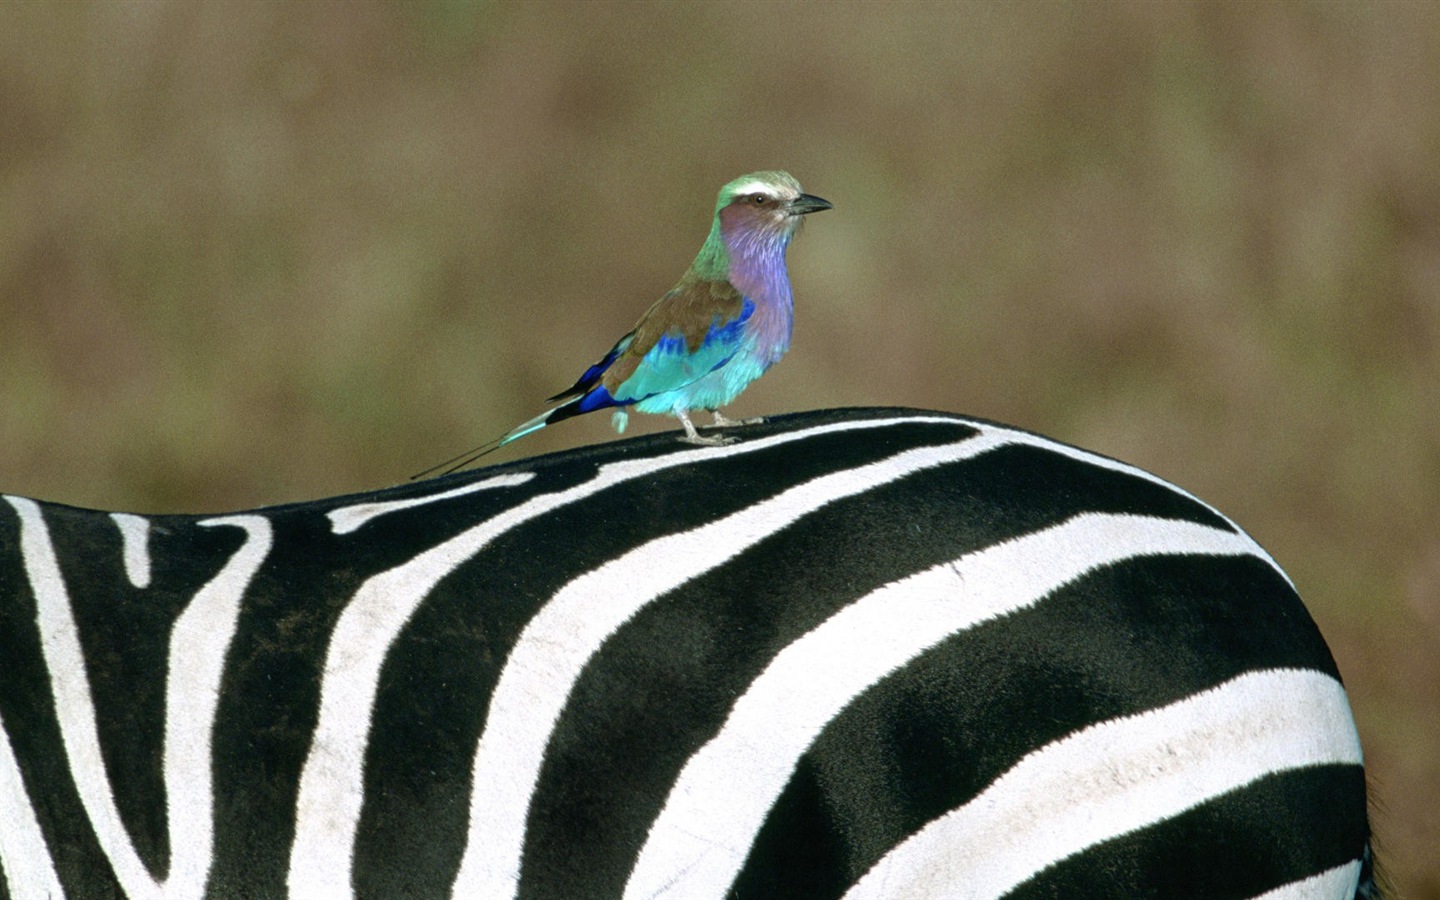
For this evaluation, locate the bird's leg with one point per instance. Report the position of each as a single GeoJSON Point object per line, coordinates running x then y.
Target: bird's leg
{"type": "Point", "coordinates": [694, 437]}
{"type": "Point", "coordinates": [727, 422]}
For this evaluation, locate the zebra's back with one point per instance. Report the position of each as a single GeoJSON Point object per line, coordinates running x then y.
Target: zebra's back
{"type": "Point", "coordinates": [861, 653]}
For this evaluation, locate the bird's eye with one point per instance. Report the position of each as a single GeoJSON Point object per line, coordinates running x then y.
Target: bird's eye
{"type": "Point", "coordinates": [758, 199]}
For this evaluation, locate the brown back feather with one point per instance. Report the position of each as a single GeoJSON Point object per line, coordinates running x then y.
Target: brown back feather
{"type": "Point", "coordinates": [689, 310]}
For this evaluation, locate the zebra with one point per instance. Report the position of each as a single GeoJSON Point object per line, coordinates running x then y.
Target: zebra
{"type": "Point", "coordinates": [860, 653]}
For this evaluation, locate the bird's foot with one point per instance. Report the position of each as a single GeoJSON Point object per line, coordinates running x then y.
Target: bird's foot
{"type": "Point", "coordinates": [694, 437]}
{"type": "Point", "coordinates": [701, 440]}
{"type": "Point", "coordinates": [726, 422]}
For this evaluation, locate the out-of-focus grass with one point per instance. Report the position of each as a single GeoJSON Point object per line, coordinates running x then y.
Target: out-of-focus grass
{"type": "Point", "coordinates": [253, 253]}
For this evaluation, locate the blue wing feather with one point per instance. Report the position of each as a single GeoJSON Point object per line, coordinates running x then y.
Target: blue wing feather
{"type": "Point", "coordinates": [593, 374]}
{"type": "Point", "coordinates": [670, 365]}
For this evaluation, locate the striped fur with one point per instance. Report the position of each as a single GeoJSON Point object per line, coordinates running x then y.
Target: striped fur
{"type": "Point", "coordinates": [861, 653]}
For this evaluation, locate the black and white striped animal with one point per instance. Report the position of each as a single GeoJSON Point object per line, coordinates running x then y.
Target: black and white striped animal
{"type": "Point", "coordinates": [861, 653]}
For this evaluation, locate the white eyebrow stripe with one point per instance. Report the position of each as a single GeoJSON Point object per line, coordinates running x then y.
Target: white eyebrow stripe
{"type": "Point", "coordinates": [765, 187]}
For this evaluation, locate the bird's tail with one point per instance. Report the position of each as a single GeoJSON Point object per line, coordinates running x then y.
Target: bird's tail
{"type": "Point", "coordinates": [456, 463]}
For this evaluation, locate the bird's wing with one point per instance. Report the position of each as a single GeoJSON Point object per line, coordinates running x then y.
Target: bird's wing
{"type": "Point", "coordinates": [688, 333]}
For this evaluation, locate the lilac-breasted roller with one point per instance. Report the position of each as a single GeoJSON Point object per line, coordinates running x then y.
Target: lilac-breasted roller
{"type": "Point", "coordinates": [725, 323]}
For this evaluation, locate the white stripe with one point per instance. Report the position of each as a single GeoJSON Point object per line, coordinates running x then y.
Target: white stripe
{"type": "Point", "coordinates": [1339, 883]}
{"type": "Point", "coordinates": [24, 859]}
{"type": "Point", "coordinates": [1119, 776]}
{"type": "Point", "coordinates": [558, 642]}
{"type": "Point", "coordinates": [695, 850]}
{"type": "Point", "coordinates": [199, 642]}
{"type": "Point", "coordinates": [348, 518]}
{"type": "Point", "coordinates": [194, 674]}
{"type": "Point", "coordinates": [135, 540]}
{"type": "Point", "coordinates": [60, 643]}
{"type": "Point", "coordinates": [1114, 465]}
{"type": "Point", "coordinates": [331, 783]}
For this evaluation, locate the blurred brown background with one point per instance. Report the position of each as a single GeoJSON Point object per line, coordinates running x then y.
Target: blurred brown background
{"type": "Point", "coordinates": [261, 252]}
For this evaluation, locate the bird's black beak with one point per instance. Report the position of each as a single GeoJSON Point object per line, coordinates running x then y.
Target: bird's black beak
{"type": "Point", "coordinates": [806, 204]}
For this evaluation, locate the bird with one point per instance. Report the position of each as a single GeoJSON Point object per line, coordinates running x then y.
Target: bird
{"type": "Point", "coordinates": [726, 322]}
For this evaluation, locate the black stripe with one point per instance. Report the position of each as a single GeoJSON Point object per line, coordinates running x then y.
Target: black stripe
{"type": "Point", "coordinates": [268, 700]}
{"type": "Point", "coordinates": [663, 685]}
{"type": "Point", "coordinates": [438, 678]}
{"type": "Point", "coordinates": [929, 738]}
{"type": "Point", "coordinates": [28, 709]}
{"type": "Point", "coordinates": [270, 692]}
{"type": "Point", "coordinates": [125, 637]}
{"type": "Point", "coordinates": [1277, 830]}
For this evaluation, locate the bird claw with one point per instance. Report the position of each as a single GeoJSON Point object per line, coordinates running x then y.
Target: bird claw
{"type": "Point", "coordinates": [694, 437]}
{"type": "Point", "coordinates": [701, 440]}
{"type": "Point", "coordinates": [727, 422]}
